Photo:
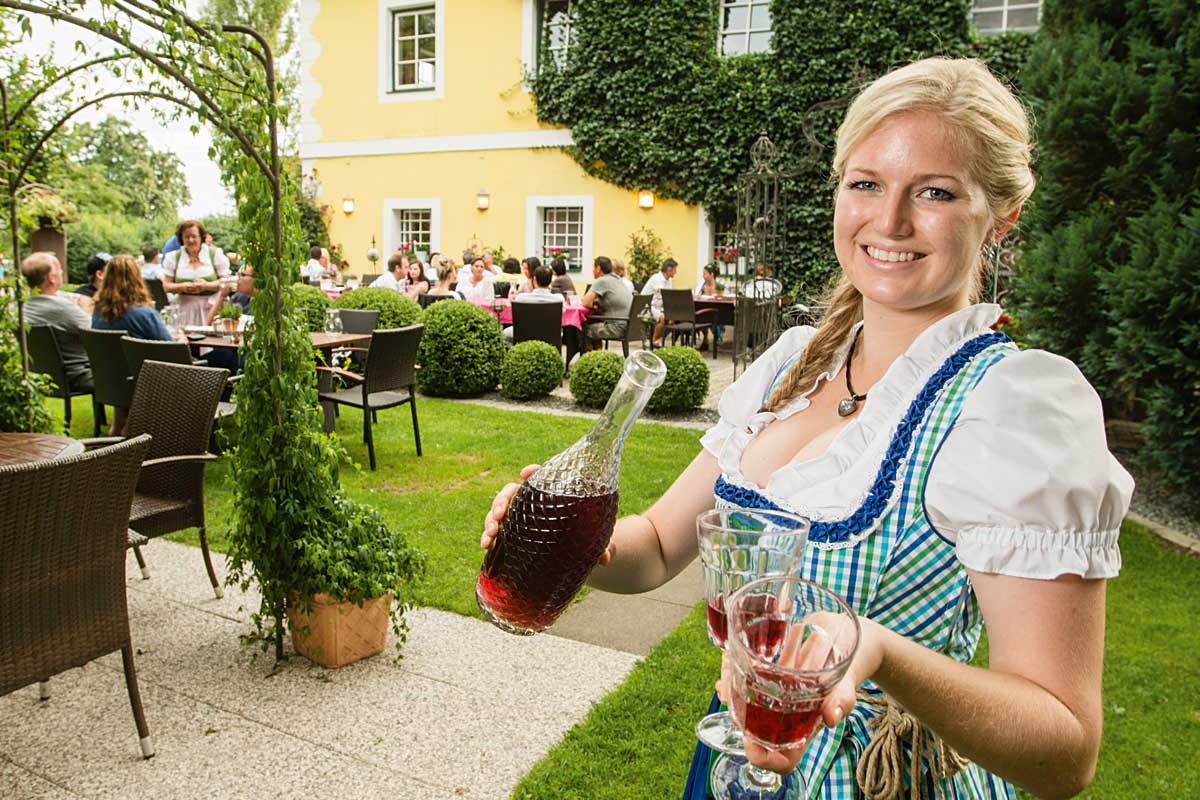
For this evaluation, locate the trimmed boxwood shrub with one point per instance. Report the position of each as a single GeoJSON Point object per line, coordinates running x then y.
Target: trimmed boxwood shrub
{"type": "Point", "coordinates": [686, 384]}
{"type": "Point", "coordinates": [313, 303]}
{"type": "Point", "coordinates": [531, 369]}
{"type": "Point", "coordinates": [595, 375]}
{"type": "Point", "coordinates": [461, 352]}
{"type": "Point", "coordinates": [395, 310]}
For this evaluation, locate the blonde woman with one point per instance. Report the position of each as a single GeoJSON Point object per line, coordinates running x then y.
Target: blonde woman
{"type": "Point", "coordinates": [952, 480]}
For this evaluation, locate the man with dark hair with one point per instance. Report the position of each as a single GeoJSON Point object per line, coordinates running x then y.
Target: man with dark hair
{"type": "Point", "coordinates": [315, 269]}
{"type": "Point", "coordinates": [512, 266]}
{"type": "Point", "coordinates": [560, 283]}
{"type": "Point", "coordinates": [62, 311]}
{"type": "Point", "coordinates": [659, 281]}
{"type": "Point", "coordinates": [396, 267]}
{"type": "Point", "coordinates": [611, 299]}
{"type": "Point", "coordinates": [152, 268]}
{"type": "Point", "coordinates": [541, 294]}
{"type": "Point", "coordinates": [95, 274]}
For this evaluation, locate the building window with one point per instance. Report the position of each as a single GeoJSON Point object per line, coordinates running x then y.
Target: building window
{"type": "Point", "coordinates": [562, 231]}
{"type": "Point", "coordinates": [745, 27]}
{"type": "Point", "coordinates": [994, 17]}
{"type": "Point", "coordinates": [414, 49]}
{"type": "Point", "coordinates": [415, 225]}
{"type": "Point", "coordinates": [556, 31]}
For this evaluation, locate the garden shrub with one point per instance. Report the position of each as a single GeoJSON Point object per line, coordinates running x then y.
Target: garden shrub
{"type": "Point", "coordinates": [461, 352]}
{"type": "Point", "coordinates": [686, 384]}
{"type": "Point", "coordinates": [312, 303]}
{"type": "Point", "coordinates": [395, 309]}
{"type": "Point", "coordinates": [594, 377]}
{"type": "Point", "coordinates": [105, 233]}
{"type": "Point", "coordinates": [530, 370]}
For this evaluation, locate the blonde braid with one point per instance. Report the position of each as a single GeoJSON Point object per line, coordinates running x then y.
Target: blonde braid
{"type": "Point", "coordinates": [844, 305]}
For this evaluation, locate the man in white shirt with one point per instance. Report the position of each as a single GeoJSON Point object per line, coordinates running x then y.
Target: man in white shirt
{"type": "Point", "coordinates": [539, 294]}
{"type": "Point", "coordinates": [392, 277]}
{"type": "Point", "coordinates": [317, 266]}
{"type": "Point", "coordinates": [61, 311]}
{"type": "Point", "coordinates": [152, 268]}
{"type": "Point", "coordinates": [659, 281]}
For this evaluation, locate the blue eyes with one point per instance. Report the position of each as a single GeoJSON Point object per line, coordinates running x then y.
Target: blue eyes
{"type": "Point", "coordinates": [929, 192]}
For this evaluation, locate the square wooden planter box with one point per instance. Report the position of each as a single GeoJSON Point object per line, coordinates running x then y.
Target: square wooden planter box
{"type": "Point", "coordinates": [340, 633]}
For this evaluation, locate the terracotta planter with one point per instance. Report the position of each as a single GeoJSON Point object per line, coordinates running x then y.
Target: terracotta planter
{"type": "Point", "coordinates": [340, 633]}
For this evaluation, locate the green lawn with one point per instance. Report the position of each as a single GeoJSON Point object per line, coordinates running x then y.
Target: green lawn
{"type": "Point", "coordinates": [637, 742]}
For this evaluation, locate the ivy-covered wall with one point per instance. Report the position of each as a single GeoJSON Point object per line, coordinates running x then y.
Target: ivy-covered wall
{"type": "Point", "coordinates": [651, 103]}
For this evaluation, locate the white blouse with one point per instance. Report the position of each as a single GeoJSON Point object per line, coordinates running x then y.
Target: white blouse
{"type": "Point", "coordinates": [1024, 484]}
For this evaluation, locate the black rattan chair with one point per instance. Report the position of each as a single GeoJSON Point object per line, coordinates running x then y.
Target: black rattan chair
{"type": "Point", "coordinates": [175, 404]}
{"type": "Point", "coordinates": [426, 300]}
{"type": "Point", "coordinates": [157, 293]}
{"type": "Point", "coordinates": [46, 357]}
{"type": "Point", "coordinates": [537, 321]}
{"type": "Point", "coordinates": [63, 534]}
{"type": "Point", "coordinates": [110, 370]}
{"type": "Point", "coordinates": [389, 380]}
{"type": "Point", "coordinates": [634, 327]}
{"type": "Point", "coordinates": [369, 278]}
{"type": "Point", "coordinates": [679, 310]}
{"type": "Point", "coordinates": [139, 350]}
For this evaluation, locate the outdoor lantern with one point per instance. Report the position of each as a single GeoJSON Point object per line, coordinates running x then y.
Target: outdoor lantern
{"type": "Point", "coordinates": [483, 200]}
{"type": "Point", "coordinates": [372, 252]}
{"type": "Point", "coordinates": [645, 199]}
{"type": "Point", "coordinates": [348, 204]}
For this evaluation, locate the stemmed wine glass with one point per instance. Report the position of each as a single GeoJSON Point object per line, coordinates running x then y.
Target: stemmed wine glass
{"type": "Point", "coordinates": [790, 641]}
{"type": "Point", "coordinates": [738, 546]}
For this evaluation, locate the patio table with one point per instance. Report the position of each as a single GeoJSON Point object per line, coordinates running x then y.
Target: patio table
{"type": "Point", "coordinates": [721, 306]}
{"type": "Point", "coordinates": [22, 448]}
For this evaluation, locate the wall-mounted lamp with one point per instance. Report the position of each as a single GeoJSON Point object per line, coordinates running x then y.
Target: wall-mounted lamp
{"type": "Point", "coordinates": [348, 204]}
{"type": "Point", "coordinates": [483, 200]}
{"type": "Point", "coordinates": [645, 199]}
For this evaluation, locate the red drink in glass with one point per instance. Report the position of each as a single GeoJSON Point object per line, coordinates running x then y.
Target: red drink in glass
{"type": "Point", "coordinates": [717, 623]}
{"type": "Point", "coordinates": [775, 709]}
{"type": "Point", "coordinates": [547, 546]}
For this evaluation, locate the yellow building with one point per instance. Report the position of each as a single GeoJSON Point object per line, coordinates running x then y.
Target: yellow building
{"type": "Point", "coordinates": [417, 123]}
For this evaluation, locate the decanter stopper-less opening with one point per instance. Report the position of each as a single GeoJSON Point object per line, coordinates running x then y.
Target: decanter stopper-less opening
{"type": "Point", "coordinates": [559, 523]}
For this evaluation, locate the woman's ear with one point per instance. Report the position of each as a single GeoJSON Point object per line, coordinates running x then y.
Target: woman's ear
{"type": "Point", "coordinates": [1004, 226]}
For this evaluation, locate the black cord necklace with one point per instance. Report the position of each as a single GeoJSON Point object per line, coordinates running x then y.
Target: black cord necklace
{"type": "Point", "coordinates": [849, 405]}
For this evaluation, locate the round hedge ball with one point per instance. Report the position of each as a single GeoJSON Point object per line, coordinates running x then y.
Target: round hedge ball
{"type": "Point", "coordinates": [531, 369]}
{"type": "Point", "coordinates": [461, 350]}
{"type": "Point", "coordinates": [686, 384]}
{"type": "Point", "coordinates": [312, 303]}
{"type": "Point", "coordinates": [396, 310]}
{"type": "Point", "coordinates": [595, 375]}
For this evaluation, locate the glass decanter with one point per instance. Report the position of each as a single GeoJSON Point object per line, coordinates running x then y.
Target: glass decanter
{"type": "Point", "coordinates": [559, 522]}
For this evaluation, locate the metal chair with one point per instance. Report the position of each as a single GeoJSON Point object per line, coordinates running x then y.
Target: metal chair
{"type": "Point", "coordinates": [157, 293]}
{"type": "Point", "coordinates": [679, 310]}
{"type": "Point", "coordinates": [538, 321]}
{"type": "Point", "coordinates": [634, 326]}
{"type": "Point", "coordinates": [63, 534]}
{"type": "Point", "coordinates": [175, 404]}
{"type": "Point", "coordinates": [46, 357]}
{"type": "Point", "coordinates": [110, 369]}
{"type": "Point", "coordinates": [389, 380]}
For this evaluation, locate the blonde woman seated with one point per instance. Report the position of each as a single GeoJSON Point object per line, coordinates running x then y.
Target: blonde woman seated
{"type": "Point", "coordinates": [446, 276]}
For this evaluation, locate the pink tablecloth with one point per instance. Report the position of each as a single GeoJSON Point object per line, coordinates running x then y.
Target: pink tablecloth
{"type": "Point", "coordinates": [572, 315]}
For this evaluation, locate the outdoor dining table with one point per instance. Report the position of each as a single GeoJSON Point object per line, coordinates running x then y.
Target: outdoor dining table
{"type": "Point", "coordinates": [23, 448]}
{"type": "Point", "coordinates": [721, 306]}
{"type": "Point", "coordinates": [573, 317]}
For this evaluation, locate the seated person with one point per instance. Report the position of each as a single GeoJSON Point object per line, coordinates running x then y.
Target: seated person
{"type": "Point", "coordinates": [707, 287]}
{"type": "Point", "coordinates": [528, 266]}
{"type": "Point", "coordinates": [317, 266]}
{"type": "Point", "coordinates": [561, 284]}
{"type": "Point", "coordinates": [123, 303]}
{"type": "Point", "coordinates": [62, 311]}
{"type": "Point", "coordinates": [95, 274]}
{"type": "Point", "coordinates": [152, 268]}
{"type": "Point", "coordinates": [414, 284]}
{"type": "Point", "coordinates": [242, 293]}
{"type": "Point", "coordinates": [659, 281]}
{"type": "Point", "coordinates": [397, 265]}
{"type": "Point", "coordinates": [446, 277]}
{"type": "Point", "coordinates": [479, 284]}
{"type": "Point", "coordinates": [609, 298]}
{"type": "Point", "coordinates": [540, 294]}
{"type": "Point", "coordinates": [431, 269]}
{"type": "Point", "coordinates": [619, 271]}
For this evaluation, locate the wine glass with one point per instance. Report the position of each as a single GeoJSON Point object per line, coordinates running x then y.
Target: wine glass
{"type": "Point", "coordinates": [738, 546]}
{"type": "Point", "coordinates": [790, 642]}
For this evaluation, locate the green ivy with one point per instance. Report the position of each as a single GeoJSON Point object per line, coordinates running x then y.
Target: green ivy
{"type": "Point", "coordinates": [686, 384]}
{"type": "Point", "coordinates": [594, 377]}
{"type": "Point", "coordinates": [461, 350]}
{"type": "Point", "coordinates": [396, 310]}
{"type": "Point", "coordinates": [22, 408]}
{"type": "Point", "coordinates": [651, 104]}
{"type": "Point", "coordinates": [530, 370]}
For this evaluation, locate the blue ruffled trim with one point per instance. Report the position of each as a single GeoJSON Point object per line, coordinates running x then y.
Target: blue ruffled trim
{"type": "Point", "coordinates": [885, 479]}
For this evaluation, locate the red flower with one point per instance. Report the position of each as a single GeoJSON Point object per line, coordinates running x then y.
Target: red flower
{"type": "Point", "coordinates": [333, 248]}
{"type": "Point", "coordinates": [345, 263]}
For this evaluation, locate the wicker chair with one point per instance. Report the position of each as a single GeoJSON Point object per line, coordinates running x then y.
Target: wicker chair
{"type": "Point", "coordinates": [175, 404]}
{"type": "Point", "coordinates": [389, 380]}
{"type": "Point", "coordinates": [538, 321]}
{"type": "Point", "coordinates": [358, 321]}
{"type": "Point", "coordinates": [426, 300]}
{"type": "Point", "coordinates": [157, 293]}
{"type": "Point", "coordinates": [139, 350]}
{"type": "Point", "coordinates": [62, 577]}
{"type": "Point", "coordinates": [110, 370]}
{"type": "Point", "coordinates": [634, 327]}
{"type": "Point", "coordinates": [46, 357]}
{"type": "Point", "coordinates": [679, 309]}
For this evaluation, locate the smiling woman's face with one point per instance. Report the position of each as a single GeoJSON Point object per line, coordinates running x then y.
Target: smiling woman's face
{"type": "Point", "coordinates": [191, 239]}
{"type": "Point", "coordinates": [910, 220]}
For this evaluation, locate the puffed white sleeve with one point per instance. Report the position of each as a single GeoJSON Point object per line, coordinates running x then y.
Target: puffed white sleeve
{"type": "Point", "coordinates": [1024, 483]}
{"type": "Point", "coordinates": [740, 402]}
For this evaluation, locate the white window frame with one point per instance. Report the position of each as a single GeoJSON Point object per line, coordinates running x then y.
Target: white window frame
{"type": "Point", "coordinates": [533, 223]}
{"type": "Point", "coordinates": [721, 32]}
{"type": "Point", "coordinates": [531, 38]}
{"type": "Point", "coordinates": [437, 91]}
{"type": "Point", "coordinates": [1005, 6]}
{"type": "Point", "coordinates": [391, 223]}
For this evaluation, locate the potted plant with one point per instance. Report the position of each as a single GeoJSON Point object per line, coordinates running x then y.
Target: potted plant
{"type": "Point", "coordinates": [229, 321]}
{"type": "Point", "coordinates": [645, 255]}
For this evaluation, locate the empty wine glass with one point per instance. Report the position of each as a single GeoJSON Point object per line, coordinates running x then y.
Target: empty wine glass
{"type": "Point", "coordinates": [790, 641]}
{"type": "Point", "coordinates": [738, 546]}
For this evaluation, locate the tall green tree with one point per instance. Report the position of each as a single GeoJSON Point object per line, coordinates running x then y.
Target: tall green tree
{"type": "Point", "coordinates": [1110, 277]}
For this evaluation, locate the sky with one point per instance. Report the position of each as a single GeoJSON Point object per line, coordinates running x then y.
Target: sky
{"type": "Point", "coordinates": [209, 196]}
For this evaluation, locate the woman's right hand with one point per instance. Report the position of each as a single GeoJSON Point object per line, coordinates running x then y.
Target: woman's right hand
{"type": "Point", "coordinates": [491, 523]}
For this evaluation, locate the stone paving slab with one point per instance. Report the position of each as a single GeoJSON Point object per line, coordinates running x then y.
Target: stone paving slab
{"type": "Point", "coordinates": [466, 714]}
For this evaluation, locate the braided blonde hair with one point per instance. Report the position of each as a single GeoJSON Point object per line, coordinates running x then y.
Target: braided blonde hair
{"type": "Point", "coordinates": [992, 126]}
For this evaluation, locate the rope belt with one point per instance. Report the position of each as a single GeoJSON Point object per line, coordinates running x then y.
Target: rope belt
{"type": "Point", "coordinates": [880, 770]}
